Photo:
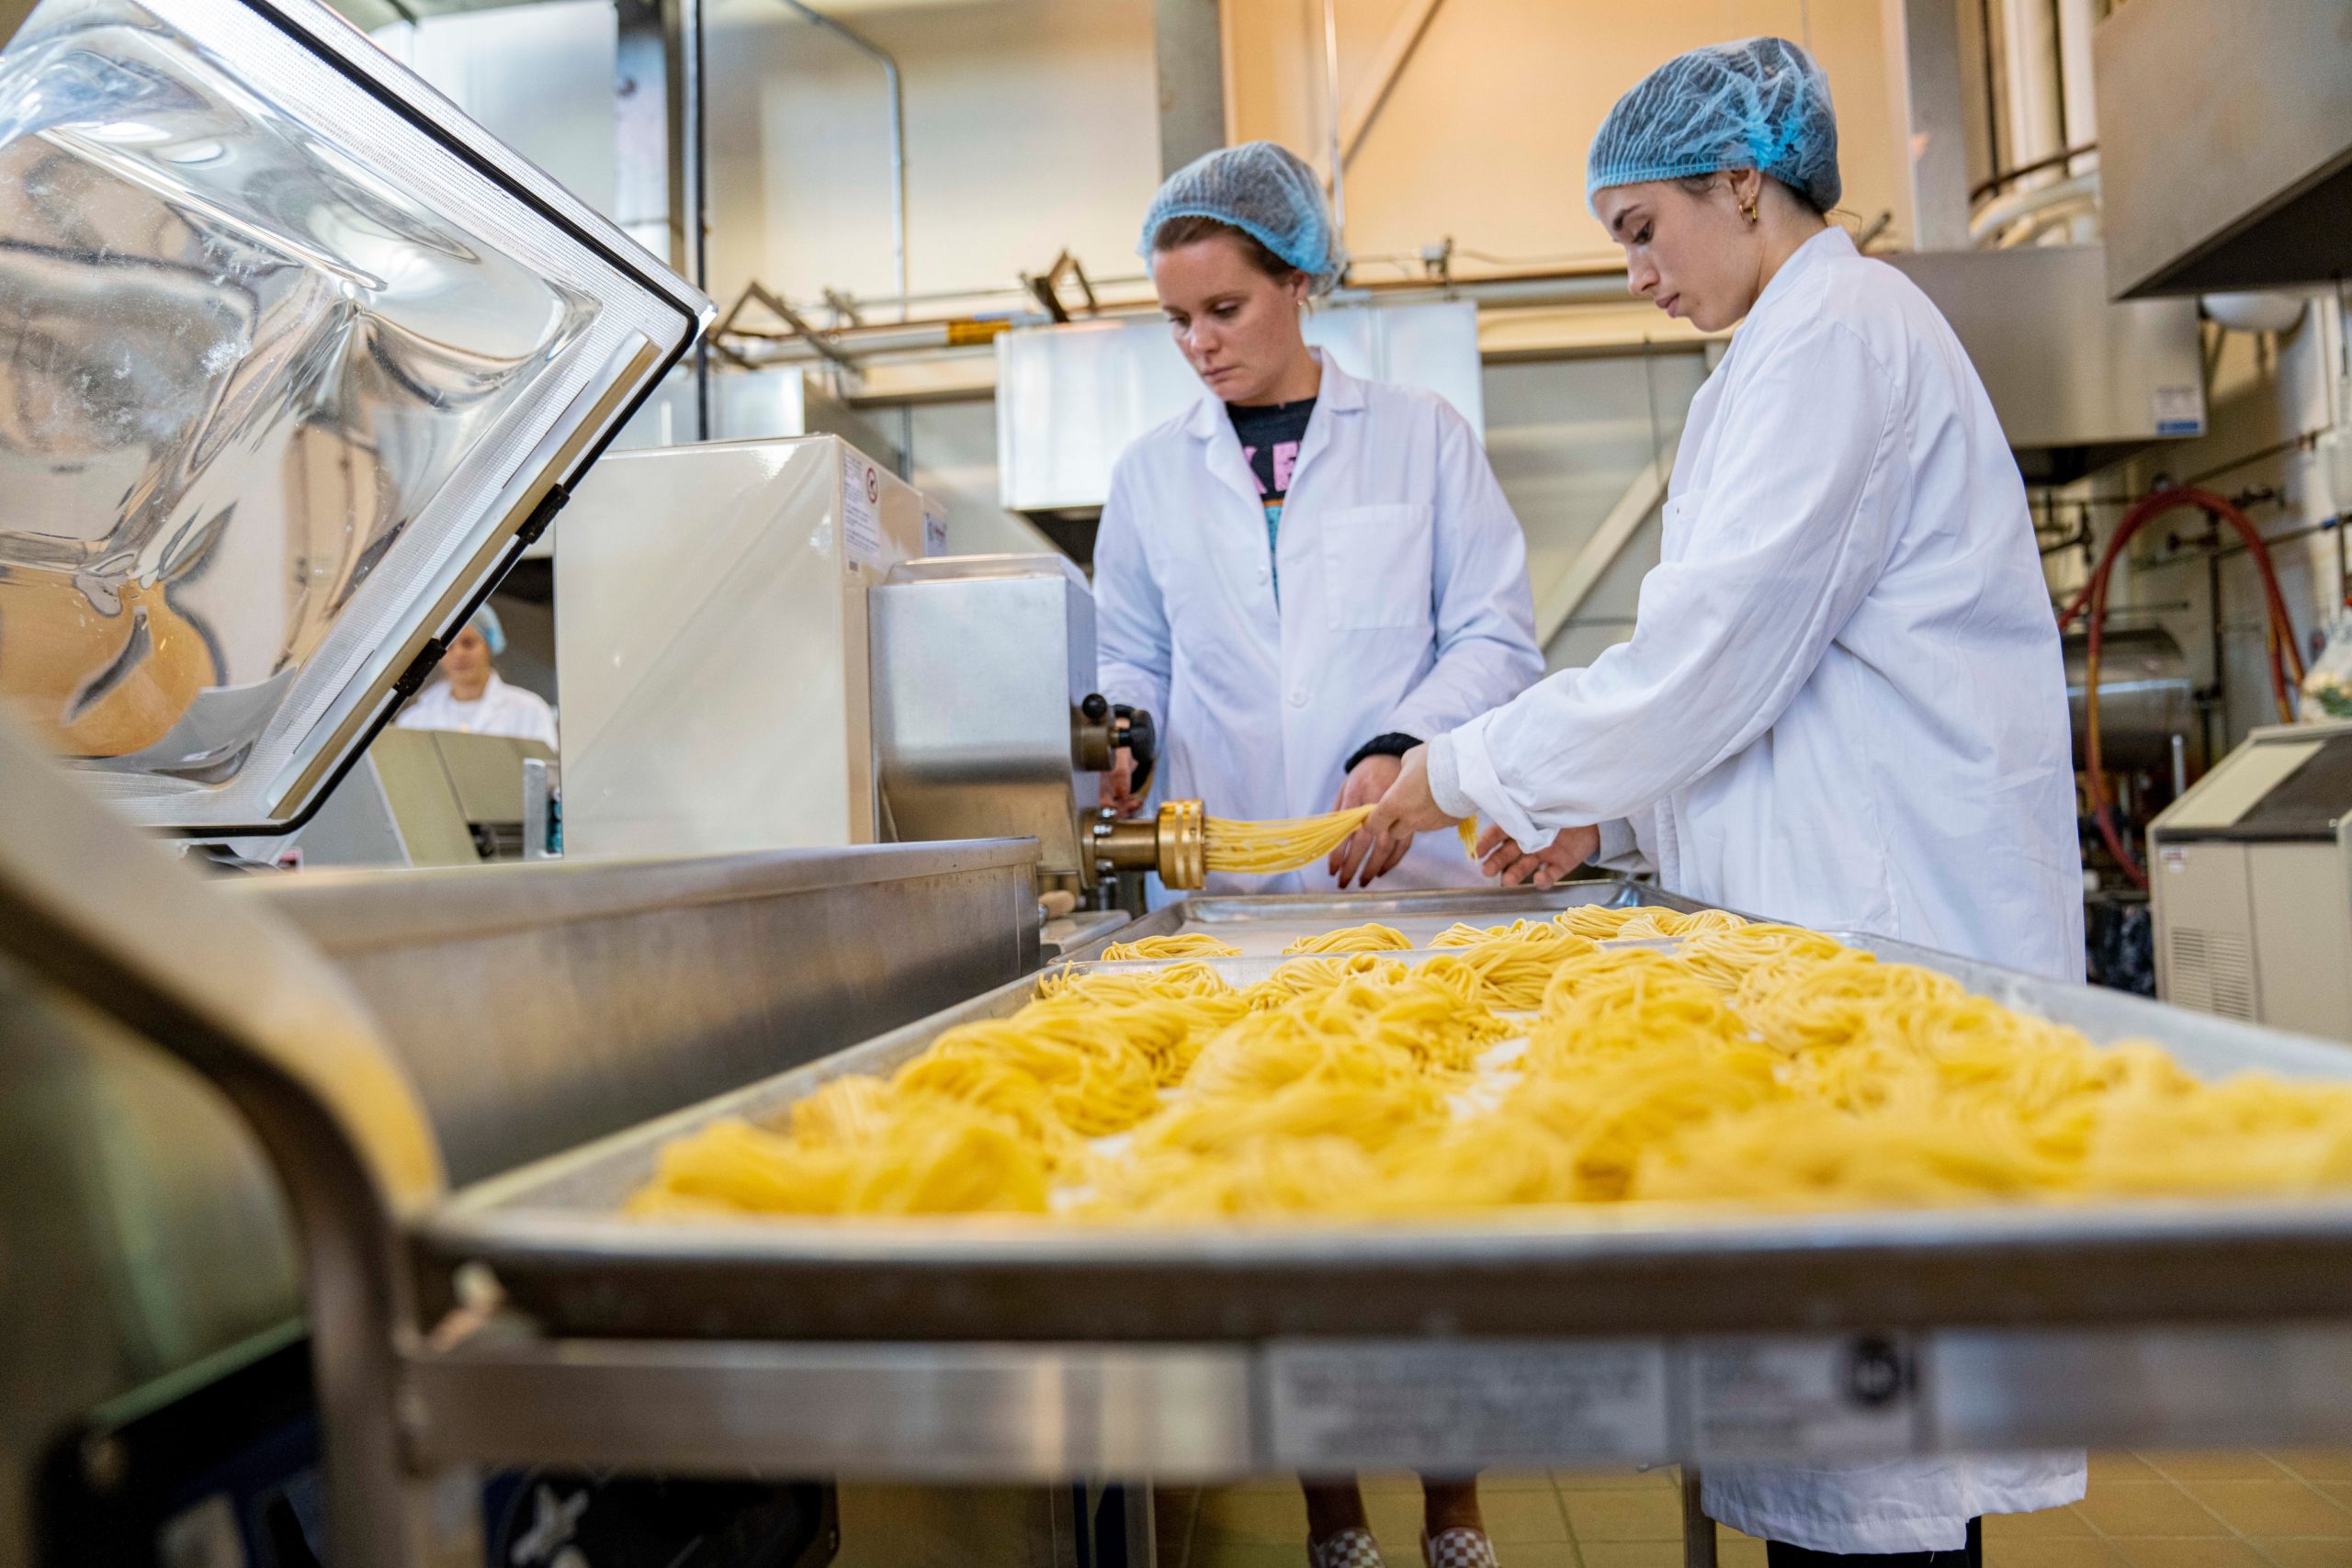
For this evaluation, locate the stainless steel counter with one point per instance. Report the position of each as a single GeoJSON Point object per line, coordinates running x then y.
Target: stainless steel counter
{"type": "Point", "coordinates": [1009, 1350]}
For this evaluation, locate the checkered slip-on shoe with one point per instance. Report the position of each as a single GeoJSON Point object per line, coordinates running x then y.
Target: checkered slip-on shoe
{"type": "Point", "coordinates": [1459, 1546]}
{"type": "Point", "coordinates": [1351, 1548]}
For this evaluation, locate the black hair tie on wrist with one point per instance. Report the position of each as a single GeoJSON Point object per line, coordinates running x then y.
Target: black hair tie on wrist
{"type": "Point", "coordinates": [1391, 745]}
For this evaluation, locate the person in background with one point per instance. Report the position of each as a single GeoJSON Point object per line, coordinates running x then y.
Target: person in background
{"type": "Point", "coordinates": [470, 698]}
{"type": "Point", "coordinates": [1305, 574]}
{"type": "Point", "coordinates": [1843, 704]}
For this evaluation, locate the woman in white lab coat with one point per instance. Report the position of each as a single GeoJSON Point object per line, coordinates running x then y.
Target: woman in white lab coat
{"type": "Point", "coordinates": [1302, 577]}
{"type": "Point", "coordinates": [1843, 703]}
{"type": "Point", "coordinates": [1305, 574]}
{"type": "Point", "coordinates": [470, 698]}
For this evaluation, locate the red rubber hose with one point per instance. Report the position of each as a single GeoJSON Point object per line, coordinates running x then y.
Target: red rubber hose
{"type": "Point", "coordinates": [2280, 635]}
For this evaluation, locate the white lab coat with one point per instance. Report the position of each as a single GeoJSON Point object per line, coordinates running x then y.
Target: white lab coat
{"type": "Point", "coordinates": [501, 710]}
{"type": "Point", "coordinates": [1843, 705]}
{"type": "Point", "coordinates": [1404, 605]}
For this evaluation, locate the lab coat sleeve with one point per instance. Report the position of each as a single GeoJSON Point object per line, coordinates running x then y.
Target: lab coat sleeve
{"type": "Point", "coordinates": [1621, 848]}
{"type": "Point", "coordinates": [1485, 612]}
{"type": "Point", "coordinates": [1134, 651]}
{"type": "Point", "coordinates": [1783, 544]}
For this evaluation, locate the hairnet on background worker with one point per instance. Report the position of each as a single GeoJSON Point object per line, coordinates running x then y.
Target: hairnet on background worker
{"type": "Point", "coordinates": [493, 630]}
{"type": "Point", "coordinates": [470, 697]}
{"type": "Point", "coordinates": [1303, 576]}
{"type": "Point", "coordinates": [1268, 193]}
{"type": "Point", "coordinates": [1843, 703]}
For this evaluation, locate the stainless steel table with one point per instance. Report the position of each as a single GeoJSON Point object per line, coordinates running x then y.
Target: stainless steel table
{"type": "Point", "coordinates": [519, 1318]}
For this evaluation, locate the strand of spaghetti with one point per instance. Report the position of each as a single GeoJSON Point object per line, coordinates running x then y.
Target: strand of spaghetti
{"type": "Point", "coordinates": [1283, 845]}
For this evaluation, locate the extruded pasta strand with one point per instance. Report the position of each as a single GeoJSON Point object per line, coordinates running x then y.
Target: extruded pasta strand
{"type": "Point", "coordinates": [1282, 845]}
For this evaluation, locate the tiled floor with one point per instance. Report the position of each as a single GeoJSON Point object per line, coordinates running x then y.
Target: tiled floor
{"type": "Point", "coordinates": [2190, 1511]}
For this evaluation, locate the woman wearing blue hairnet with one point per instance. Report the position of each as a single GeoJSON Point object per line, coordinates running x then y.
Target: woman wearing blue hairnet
{"type": "Point", "coordinates": [470, 698]}
{"type": "Point", "coordinates": [1305, 574]}
{"type": "Point", "coordinates": [1302, 577]}
{"type": "Point", "coordinates": [1843, 703]}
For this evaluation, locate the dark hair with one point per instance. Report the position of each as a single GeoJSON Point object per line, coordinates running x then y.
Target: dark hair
{"type": "Point", "coordinates": [1190, 229]}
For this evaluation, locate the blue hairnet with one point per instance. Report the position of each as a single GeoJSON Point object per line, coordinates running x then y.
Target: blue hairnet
{"type": "Point", "coordinates": [1266, 191]}
{"type": "Point", "coordinates": [485, 621]}
{"type": "Point", "coordinates": [1760, 104]}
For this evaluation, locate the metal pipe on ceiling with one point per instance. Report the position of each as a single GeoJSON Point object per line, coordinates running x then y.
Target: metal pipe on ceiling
{"type": "Point", "coordinates": [883, 58]}
{"type": "Point", "coordinates": [1533, 291]}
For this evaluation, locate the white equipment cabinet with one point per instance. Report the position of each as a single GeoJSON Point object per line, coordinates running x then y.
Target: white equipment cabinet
{"type": "Point", "coordinates": [2251, 879]}
{"type": "Point", "coordinates": [714, 666]}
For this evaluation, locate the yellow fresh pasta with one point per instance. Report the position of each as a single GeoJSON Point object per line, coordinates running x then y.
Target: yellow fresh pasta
{"type": "Point", "coordinates": [1372, 937]}
{"type": "Point", "coordinates": [1282, 845]}
{"type": "Point", "coordinates": [1191, 944]}
{"type": "Point", "coordinates": [1752, 1064]}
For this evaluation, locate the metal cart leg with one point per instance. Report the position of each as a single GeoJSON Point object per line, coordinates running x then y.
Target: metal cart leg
{"type": "Point", "coordinates": [1698, 1531]}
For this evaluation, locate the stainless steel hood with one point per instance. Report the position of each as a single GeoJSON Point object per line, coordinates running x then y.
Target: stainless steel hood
{"type": "Point", "coordinates": [294, 361]}
{"type": "Point", "coordinates": [2226, 143]}
{"type": "Point", "coordinates": [2078, 382]}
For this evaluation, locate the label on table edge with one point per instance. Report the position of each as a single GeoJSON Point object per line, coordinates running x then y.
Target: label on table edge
{"type": "Point", "coordinates": [1397, 1404]}
{"type": "Point", "coordinates": [1816, 1396]}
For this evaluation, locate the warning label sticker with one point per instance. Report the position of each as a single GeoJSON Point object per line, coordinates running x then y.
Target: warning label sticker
{"type": "Point", "coordinates": [861, 509]}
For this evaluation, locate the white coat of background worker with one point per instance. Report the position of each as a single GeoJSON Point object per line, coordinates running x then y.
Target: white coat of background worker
{"type": "Point", "coordinates": [1843, 703]}
{"type": "Point", "coordinates": [470, 698]}
{"type": "Point", "coordinates": [1305, 574]}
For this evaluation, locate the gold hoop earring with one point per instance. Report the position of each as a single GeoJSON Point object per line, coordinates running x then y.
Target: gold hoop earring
{"type": "Point", "coordinates": [1748, 213]}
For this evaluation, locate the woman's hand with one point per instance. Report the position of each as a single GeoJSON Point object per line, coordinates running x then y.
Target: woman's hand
{"type": "Point", "coordinates": [1500, 856]}
{"type": "Point", "coordinates": [1408, 807]}
{"type": "Point", "coordinates": [1364, 855]}
{"type": "Point", "coordinates": [1116, 789]}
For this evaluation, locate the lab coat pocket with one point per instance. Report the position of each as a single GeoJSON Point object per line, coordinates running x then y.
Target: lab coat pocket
{"type": "Point", "coordinates": [1376, 567]}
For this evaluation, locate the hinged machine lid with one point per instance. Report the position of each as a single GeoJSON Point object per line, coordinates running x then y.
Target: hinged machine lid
{"type": "Point", "coordinates": [294, 361]}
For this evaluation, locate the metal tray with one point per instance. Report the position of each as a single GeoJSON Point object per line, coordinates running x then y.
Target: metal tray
{"type": "Point", "coordinates": [552, 1234]}
{"type": "Point", "coordinates": [1018, 1351]}
{"type": "Point", "coordinates": [1264, 926]}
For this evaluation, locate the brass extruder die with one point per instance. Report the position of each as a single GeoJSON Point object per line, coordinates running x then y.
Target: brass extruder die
{"type": "Point", "coordinates": [1174, 843]}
